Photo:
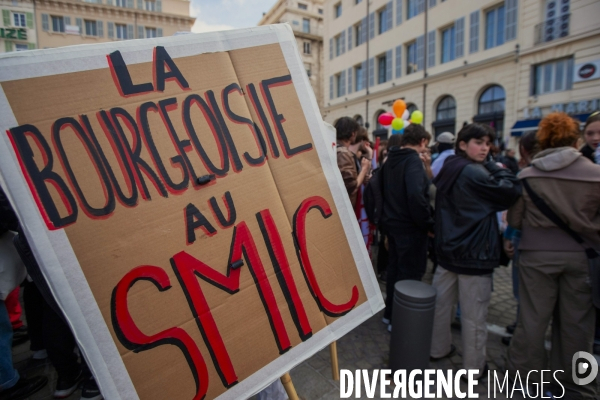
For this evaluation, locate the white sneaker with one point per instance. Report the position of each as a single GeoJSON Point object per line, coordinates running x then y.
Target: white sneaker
{"type": "Point", "coordinates": [385, 320]}
{"type": "Point", "coordinates": [389, 327]}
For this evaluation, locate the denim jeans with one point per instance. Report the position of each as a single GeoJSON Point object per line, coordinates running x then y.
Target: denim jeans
{"type": "Point", "coordinates": [8, 375]}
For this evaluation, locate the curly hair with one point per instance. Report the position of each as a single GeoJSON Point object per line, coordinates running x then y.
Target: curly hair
{"type": "Point", "coordinates": [557, 129]}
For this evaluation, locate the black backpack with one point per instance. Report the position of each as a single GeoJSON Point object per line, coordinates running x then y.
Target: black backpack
{"type": "Point", "coordinates": [373, 197]}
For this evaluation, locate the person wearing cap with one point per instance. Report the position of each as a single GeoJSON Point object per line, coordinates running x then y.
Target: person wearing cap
{"type": "Point", "coordinates": [445, 143]}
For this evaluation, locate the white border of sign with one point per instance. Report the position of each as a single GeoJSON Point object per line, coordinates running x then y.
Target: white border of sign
{"type": "Point", "coordinates": [52, 248]}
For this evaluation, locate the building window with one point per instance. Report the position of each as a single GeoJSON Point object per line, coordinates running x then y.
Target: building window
{"type": "Point", "coordinates": [358, 32]}
{"type": "Point", "coordinates": [21, 47]}
{"type": "Point", "coordinates": [554, 76]}
{"type": "Point", "coordinates": [338, 85]}
{"type": "Point", "coordinates": [381, 69]}
{"type": "Point", "coordinates": [359, 78]}
{"type": "Point", "coordinates": [492, 100]}
{"type": "Point", "coordinates": [305, 25]}
{"type": "Point", "coordinates": [302, 6]}
{"type": "Point", "coordinates": [121, 31]}
{"type": "Point", "coordinates": [150, 5]}
{"type": "Point", "coordinates": [91, 28]}
{"type": "Point", "coordinates": [446, 109]}
{"type": "Point", "coordinates": [151, 32]}
{"type": "Point", "coordinates": [494, 27]}
{"type": "Point", "coordinates": [448, 44]}
{"type": "Point", "coordinates": [307, 68]}
{"type": "Point", "coordinates": [412, 8]}
{"type": "Point", "coordinates": [306, 47]}
{"type": "Point", "coordinates": [320, 11]}
{"type": "Point", "coordinates": [58, 24]}
{"type": "Point", "coordinates": [337, 10]}
{"type": "Point", "coordinates": [383, 20]}
{"type": "Point", "coordinates": [411, 58]}
{"type": "Point", "coordinates": [338, 45]}
{"type": "Point", "coordinates": [121, 3]}
{"type": "Point", "coordinates": [445, 116]}
{"type": "Point", "coordinates": [19, 20]}
{"type": "Point", "coordinates": [357, 1]}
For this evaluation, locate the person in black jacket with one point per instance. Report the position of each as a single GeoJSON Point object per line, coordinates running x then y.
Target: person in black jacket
{"type": "Point", "coordinates": [471, 189]}
{"type": "Point", "coordinates": [407, 215]}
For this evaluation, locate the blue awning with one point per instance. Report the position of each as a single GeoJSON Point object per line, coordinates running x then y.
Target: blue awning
{"type": "Point", "coordinates": [524, 125]}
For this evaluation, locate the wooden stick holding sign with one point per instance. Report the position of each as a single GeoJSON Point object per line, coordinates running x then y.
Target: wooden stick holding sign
{"type": "Point", "coordinates": [286, 380]}
{"type": "Point", "coordinates": [335, 371]}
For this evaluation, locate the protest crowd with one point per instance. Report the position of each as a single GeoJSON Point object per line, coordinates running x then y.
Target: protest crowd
{"type": "Point", "coordinates": [474, 209]}
{"type": "Point", "coordinates": [469, 211]}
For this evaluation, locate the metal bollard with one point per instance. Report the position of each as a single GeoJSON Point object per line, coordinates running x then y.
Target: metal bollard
{"type": "Point", "coordinates": [412, 325]}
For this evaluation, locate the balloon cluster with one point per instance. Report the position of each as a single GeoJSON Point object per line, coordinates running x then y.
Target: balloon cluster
{"type": "Point", "coordinates": [401, 120]}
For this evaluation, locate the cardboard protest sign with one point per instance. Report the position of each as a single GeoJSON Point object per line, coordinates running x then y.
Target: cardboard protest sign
{"type": "Point", "coordinates": [180, 196]}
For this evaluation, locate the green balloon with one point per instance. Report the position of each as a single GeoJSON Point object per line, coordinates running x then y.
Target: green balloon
{"type": "Point", "coordinates": [416, 117]}
{"type": "Point", "coordinates": [397, 123]}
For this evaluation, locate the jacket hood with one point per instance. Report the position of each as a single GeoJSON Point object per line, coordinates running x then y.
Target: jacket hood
{"type": "Point", "coordinates": [450, 172]}
{"type": "Point", "coordinates": [398, 155]}
{"type": "Point", "coordinates": [555, 159]}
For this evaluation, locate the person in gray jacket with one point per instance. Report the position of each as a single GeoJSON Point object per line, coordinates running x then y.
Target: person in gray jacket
{"type": "Point", "coordinates": [553, 267]}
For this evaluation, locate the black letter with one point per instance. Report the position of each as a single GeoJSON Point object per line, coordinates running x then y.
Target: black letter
{"type": "Point", "coordinates": [194, 219]}
{"type": "Point", "coordinates": [162, 58]}
{"type": "Point", "coordinates": [122, 79]}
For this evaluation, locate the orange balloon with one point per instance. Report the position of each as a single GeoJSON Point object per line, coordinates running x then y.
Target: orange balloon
{"type": "Point", "coordinates": [399, 107]}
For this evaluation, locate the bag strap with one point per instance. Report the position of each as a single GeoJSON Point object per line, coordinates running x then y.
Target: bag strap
{"type": "Point", "coordinates": [551, 215]}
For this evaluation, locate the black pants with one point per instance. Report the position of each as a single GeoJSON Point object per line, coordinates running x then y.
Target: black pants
{"type": "Point", "coordinates": [407, 260]}
{"type": "Point", "coordinates": [50, 332]}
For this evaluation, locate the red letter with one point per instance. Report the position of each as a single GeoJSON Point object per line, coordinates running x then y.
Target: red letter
{"type": "Point", "coordinates": [333, 310]}
{"type": "Point", "coordinates": [133, 339]}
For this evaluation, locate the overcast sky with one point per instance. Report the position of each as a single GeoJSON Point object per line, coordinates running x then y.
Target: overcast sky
{"type": "Point", "coordinates": [217, 15]}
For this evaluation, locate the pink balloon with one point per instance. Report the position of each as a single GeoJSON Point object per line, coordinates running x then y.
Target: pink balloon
{"type": "Point", "coordinates": [386, 119]}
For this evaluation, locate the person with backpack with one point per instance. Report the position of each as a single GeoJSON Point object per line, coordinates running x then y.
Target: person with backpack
{"type": "Point", "coordinates": [471, 189]}
{"type": "Point", "coordinates": [559, 219]}
{"type": "Point", "coordinates": [407, 217]}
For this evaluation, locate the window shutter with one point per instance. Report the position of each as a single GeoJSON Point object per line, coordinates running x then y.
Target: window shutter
{"type": "Point", "coordinates": [420, 6]}
{"type": "Point", "coordinates": [79, 23]}
{"type": "Point", "coordinates": [100, 28]}
{"type": "Point", "coordinates": [29, 17]}
{"type": "Point", "coordinates": [331, 49]}
{"type": "Point", "coordinates": [398, 12]}
{"type": "Point", "coordinates": [331, 87]}
{"type": "Point", "coordinates": [432, 3]}
{"type": "Point", "coordinates": [158, 32]}
{"type": "Point", "coordinates": [8, 46]}
{"type": "Point", "coordinates": [371, 25]}
{"type": "Point", "coordinates": [363, 67]}
{"type": "Point", "coordinates": [474, 32]}
{"type": "Point", "coordinates": [140, 4]}
{"type": "Point", "coordinates": [371, 71]}
{"type": "Point", "coordinates": [158, 5]}
{"type": "Point", "coordinates": [510, 30]}
{"type": "Point", "coordinates": [459, 31]}
{"type": "Point", "coordinates": [349, 80]}
{"type": "Point", "coordinates": [398, 61]}
{"type": "Point", "coordinates": [31, 46]}
{"type": "Point", "coordinates": [129, 31]}
{"type": "Point", "coordinates": [141, 33]}
{"type": "Point", "coordinates": [389, 63]}
{"type": "Point", "coordinates": [45, 23]}
{"type": "Point", "coordinates": [343, 42]}
{"type": "Point", "coordinates": [350, 38]}
{"type": "Point", "coordinates": [420, 52]}
{"type": "Point", "coordinates": [67, 20]}
{"type": "Point", "coordinates": [6, 17]}
{"type": "Point", "coordinates": [431, 49]}
{"type": "Point", "coordinates": [343, 83]}
{"type": "Point", "coordinates": [363, 33]}
{"type": "Point", "coordinates": [111, 29]}
{"type": "Point", "coordinates": [389, 16]}
{"type": "Point", "coordinates": [130, 4]}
